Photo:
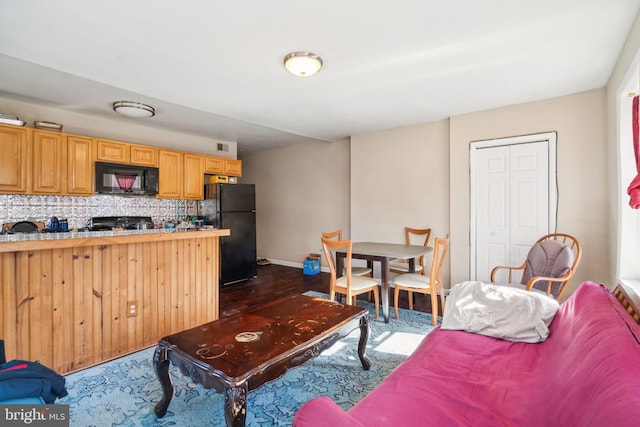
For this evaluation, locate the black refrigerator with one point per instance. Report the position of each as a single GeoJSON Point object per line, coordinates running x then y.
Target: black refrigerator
{"type": "Point", "coordinates": [233, 206]}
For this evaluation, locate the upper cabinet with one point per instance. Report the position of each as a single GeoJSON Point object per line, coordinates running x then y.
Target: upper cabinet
{"type": "Point", "coordinates": [34, 161]}
{"type": "Point", "coordinates": [181, 175]}
{"type": "Point", "coordinates": [222, 166]}
{"type": "Point", "coordinates": [213, 165]}
{"type": "Point", "coordinates": [80, 165]}
{"type": "Point", "coordinates": [14, 159]}
{"type": "Point", "coordinates": [233, 167]}
{"type": "Point", "coordinates": [112, 151]}
{"type": "Point", "coordinates": [143, 155]}
{"type": "Point", "coordinates": [193, 177]}
{"type": "Point", "coordinates": [123, 152]}
{"type": "Point", "coordinates": [170, 174]}
{"type": "Point", "coordinates": [49, 162]}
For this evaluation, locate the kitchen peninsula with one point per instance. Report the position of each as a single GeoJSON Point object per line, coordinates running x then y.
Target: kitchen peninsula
{"type": "Point", "coordinates": [73, 300]}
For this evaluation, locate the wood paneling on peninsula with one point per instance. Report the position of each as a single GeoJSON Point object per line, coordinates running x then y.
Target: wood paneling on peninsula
{"type": "Point", "coordinates": [67, 302]}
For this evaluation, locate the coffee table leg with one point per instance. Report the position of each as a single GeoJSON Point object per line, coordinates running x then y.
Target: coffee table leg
{"type": "Point", "coordinates": [161, 365]}
{"type": "Point", "coordinates": [235, 405]}
{"type": "Point", "coordinates": [362, 344]}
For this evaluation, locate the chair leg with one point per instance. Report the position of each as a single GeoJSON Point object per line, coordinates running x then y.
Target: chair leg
{"type": "Point", "coordinates": [376, 299]}
{"type": "Point", "coordinates": [434, 308]}
{"type": "Point", "coordinates": [410, 294]}
{"type": "Point", "coordinates": [442, 301]}
{"type": "Point", "coordinates": [396, 292]}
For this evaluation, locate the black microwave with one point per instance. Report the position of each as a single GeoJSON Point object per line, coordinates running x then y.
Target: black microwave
{"type": "Point", "coordinates": [128, 180]}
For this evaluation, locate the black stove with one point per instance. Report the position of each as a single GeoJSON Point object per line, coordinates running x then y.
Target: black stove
{"type": "Point", "coordinates": [102, 223]}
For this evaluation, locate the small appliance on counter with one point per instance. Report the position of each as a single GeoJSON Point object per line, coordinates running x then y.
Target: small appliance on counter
{"type": "Point", "coordinates": [104, 223]}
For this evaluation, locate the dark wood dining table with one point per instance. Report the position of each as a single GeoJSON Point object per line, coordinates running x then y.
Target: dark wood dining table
{"type": "Point", "coordinates": [383, 253]}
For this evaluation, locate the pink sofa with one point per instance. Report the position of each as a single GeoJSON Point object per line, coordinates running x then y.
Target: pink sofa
{"type": "Point", "coordinates": [586, 373]}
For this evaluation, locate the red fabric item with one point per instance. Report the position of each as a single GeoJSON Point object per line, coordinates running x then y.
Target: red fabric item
{"type": "Point", "coordinates": [13, 368]}
{"type": "Point", "coordinates": [587, 373]}
{"type": "Point", "coordinates": [634, 188]}
{"type": "Point", "coordinates": [634, 192]}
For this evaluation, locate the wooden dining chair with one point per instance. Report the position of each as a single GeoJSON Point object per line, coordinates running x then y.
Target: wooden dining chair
{"type": "Point", "coordinates": [427, 285]}
{"type": "Point", "coordinates": [400, 266]}
{"type": "Point", "coordinates": [355, 271]}
{"type": "Point", "coordinates": [550, 265]}
{"type": "Point", "coordinates": [347, 284]}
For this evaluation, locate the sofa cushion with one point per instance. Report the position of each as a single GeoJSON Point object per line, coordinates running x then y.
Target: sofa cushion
{"type": "Point", "coordinates": [500, 312]}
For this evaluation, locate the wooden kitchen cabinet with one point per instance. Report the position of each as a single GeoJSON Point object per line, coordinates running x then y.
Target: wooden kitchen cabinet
{"type": "Point", "coordinates": [80, 165]}
{"type": "Point", "coordinates": [126, 153]}
{"type": "Point", "coordinates": [15, 159]}
{"type": "Point", "coordinates": [170, 164]}
{"type": "Point", "coordinates": [193, 177]}
{"type": "Point", "coordinates": [112, 151]}
{"type": "Point", "coordinates": [233, 167]}
{"type": "Point", "coordinates": [213, 165]}
{"type": "Point", "coordinates": [143, 155]}
{"type": "Point", "coordinates": [181, 175]}
{"type": "Point", "coordinates": [49, 162]}
{"type": "Point", "coordinates": [222, 166]}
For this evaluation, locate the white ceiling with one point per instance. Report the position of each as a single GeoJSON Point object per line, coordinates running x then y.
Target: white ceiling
{"type": "Point", "coordinates": [214, 68]}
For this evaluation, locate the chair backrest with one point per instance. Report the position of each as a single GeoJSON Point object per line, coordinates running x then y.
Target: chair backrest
{"type": "Point", "coordinates": [337, 235]}
{"type": "Point", "coordinates": [410, 232]}
{"type": "Point", "coordinates": [329, 244]}
{"type": "Point", "coordinates": [555, 255]}
{"type": "Point", "coordinates": [440, 249]}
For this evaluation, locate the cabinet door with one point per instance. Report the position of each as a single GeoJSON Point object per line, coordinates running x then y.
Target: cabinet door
{"type": "Point", "coordinates": [112, 151]}
{"type": "Point", "coordinates": [14, 159]}
{"type": "Point", "coordinates": [80, 165]}
{"type": "Point", "coordinates": [144, 155]}
{"type": "Point", "coordinates": [193, 177]}
{"type": "Point", "coordinates": [214, 165]}
{"type": "Point", "coordinates": [49, 162]}
{"type": "Point", "coordinates": [233, 167]}
{"type": "Point", "coordinates": [170, 179]}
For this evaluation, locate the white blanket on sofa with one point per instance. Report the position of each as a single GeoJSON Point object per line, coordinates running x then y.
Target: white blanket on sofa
{"type": "Point", "coordinates": [500, 312]}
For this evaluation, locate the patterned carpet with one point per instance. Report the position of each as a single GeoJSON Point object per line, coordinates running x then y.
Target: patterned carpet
{"type": "Point", "coordinates": [124, 392]}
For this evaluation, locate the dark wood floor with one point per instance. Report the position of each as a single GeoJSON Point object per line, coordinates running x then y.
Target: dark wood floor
{"type": "Point", "coordinates": [276, 281]}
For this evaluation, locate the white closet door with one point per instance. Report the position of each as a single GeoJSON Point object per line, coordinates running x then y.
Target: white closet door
{"type": "Point", "coordinates": [512, 204]}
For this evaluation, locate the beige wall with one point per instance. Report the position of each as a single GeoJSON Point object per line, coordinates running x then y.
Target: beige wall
{"type": "Point", "coordinates": [419, 175]}
{"type": "Point", "coordinates": [579, 121]}
{"type": "Point", "coordinates": [400, 177]}
{"type": "Point", "coordinates": [301, 191]}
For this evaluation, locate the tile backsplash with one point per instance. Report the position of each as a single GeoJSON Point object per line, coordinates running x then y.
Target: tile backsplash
{"type": "Point", "coordinates": [78, 210]}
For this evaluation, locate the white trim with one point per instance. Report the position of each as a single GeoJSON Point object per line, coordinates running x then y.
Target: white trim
{"type": "Point", "coordinates": [551, 138]}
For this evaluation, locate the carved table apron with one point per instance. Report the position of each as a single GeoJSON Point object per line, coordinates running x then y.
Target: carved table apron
{"type": "Point", "coordinates": [239, 353]}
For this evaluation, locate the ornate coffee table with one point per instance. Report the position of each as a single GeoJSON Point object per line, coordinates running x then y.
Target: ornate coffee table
{"type": "Point", "coordinates": [239, 353]}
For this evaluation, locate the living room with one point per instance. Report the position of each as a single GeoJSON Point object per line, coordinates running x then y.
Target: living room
{"type": "Point", "coordinates": [373, 184]}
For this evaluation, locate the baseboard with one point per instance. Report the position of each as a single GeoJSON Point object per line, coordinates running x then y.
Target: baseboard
{"type": "Point", "coordinates": [295, 264]}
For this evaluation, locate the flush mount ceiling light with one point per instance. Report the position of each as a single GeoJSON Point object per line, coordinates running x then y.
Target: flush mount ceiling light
{"type": "Point", "coordinates": [133, 109]}
{"type": "Point", "coordinates": [302, 64]}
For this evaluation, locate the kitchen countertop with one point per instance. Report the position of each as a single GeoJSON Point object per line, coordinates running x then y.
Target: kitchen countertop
{"type": "Point", "coordinates": [39, 241]}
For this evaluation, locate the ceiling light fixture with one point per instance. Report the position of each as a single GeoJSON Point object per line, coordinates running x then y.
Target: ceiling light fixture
{"type": "Point", "coordinates": [302, 64]}
{"type": "Point", "coordinates": [133, 109]}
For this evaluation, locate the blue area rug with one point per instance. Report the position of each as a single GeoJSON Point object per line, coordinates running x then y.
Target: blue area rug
{"type": "Point", "coordinates": [124, 392]}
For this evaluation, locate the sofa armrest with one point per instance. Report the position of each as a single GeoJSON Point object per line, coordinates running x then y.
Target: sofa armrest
{"type": "Point", "coordinates": [323, 412]}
